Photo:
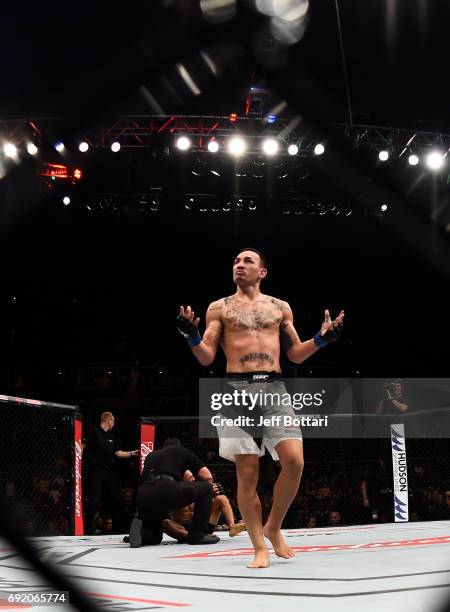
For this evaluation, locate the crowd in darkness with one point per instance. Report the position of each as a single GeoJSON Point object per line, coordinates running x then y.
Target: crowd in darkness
{"type": "Point", "coordinates": [330, 492]}
{"type": "Point", "coordinates": [331, 489]}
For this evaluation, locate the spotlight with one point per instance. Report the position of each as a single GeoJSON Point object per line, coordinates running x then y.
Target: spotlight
{"type": "Point", "coordinates": [319, 149]}
{"type": "Point", "coordinates": [10, 150]}
{"type": "Point", "coordinates": [233, 117]}
{"type": "Point", "coordinates": [435, 160]}
{"type": "Point", "coordinates": [59, 146]}
{"type": "Point", "coordinates": [271, 118]}
{"type": "Point", "coordinates": [292, 149]}
{"type": "Point", "coordinates": [66, 200]}
{"type": "Point", "coordinates": [270, 146]}
{"type": "Point", "coordinates": [189, 203]}
{"type": "Point", "coordinates": [83, 147]}
{"type": "Point", "coordinates": [32, 148]}
{"type": "Point", "coordinates": [115, 147]}
{"type": "Point", "coordinates": [183, 143]}
{"type": "Point", "coordinates": [383, 207]}
{"type": "Point", "coordinates": [239, 204]}
{"type": "Point", "coordinates": [251, 205]}
{"type": "Point", "coordinates": [155, 204]}
{"type": "Point", "coordinates": [215, 172]}
{"type": "Point", "coordinates": [383, 156]}
{"type": "Point", "coordinates": [413, 160]}
{"type": "Point", "coordinates": [236, 145]}
{"type": "Point", "coordinates": [213, 146]}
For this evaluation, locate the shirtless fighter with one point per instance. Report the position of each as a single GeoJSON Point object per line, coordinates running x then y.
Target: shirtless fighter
{"type": "Point", "coordinates": [250, 327]}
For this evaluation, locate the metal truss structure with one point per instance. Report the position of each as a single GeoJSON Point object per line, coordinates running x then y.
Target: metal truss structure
{"type": "Point", "coordinates": [137, 131]}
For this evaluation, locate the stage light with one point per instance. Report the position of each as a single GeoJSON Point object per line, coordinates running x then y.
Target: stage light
{"type": "Point", "coordinates": [77, 174]}
{"type": "Point", "coordinates": [189, 203]}
{"type": "Point", "coordinates": [236, 145]}
{"type": "Point", "coordinates": [66, 200]}
{"type": "Point", "coordinates": [215, 172]}
{"type": "Point", "coordinates": [32, 148]}
{"type": "Point", "coordinates": [383, 207]}
{"type": "Point", "coordinates": [319, 149]}
{"type": "Point", "coordinates": [218, 11]}
{"type": "Point", "coordinates": [435, 160]}
{"type": "Point", "coordinates": [252, 205]}
{"type": "Point", "coordinates": [239, 204]}
{"type": "Point", "coordinates": [183, 143]}
{"type": "Point", "coordinates": [383, 156]}
{"type": "Point", "coordinates": [115, 147]}
{"type": "Point", "coordinates": [271, 119]}
{"type": "Point", "coordinates": [270, 146]}
{"type": "Point", "coordinates": [59, 146]}
{"type": "Point", "coordinates": [10, 150]}
{"type": "Point", "coordinates": [155, 204]}
{"type": "Point", "coordinates": [83, 147]}
{"type": "Point", "coordinates": [413, 160]}
{"type": "Point", "coordinates": [213, 146]}
{"type": "Point", "coordinates": [292, 149]}
{"type": "Point", "coordinates": [233, 117]}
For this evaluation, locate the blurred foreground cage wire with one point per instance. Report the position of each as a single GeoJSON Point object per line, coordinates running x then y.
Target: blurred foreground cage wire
{"type": "Point", "coordinates": [331, 489]}
{"type": "Point", "coordinates": [40, 483]}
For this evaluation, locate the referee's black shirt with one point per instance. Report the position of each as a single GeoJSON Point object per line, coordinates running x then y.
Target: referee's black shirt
{"type": "Point", "coordinates": [172, 460]}
{"type": "Point", "coordinates": [101, 446]}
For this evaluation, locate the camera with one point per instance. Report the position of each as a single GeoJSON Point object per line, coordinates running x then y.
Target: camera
{"type": "Point", "coordinates": [391, 388]}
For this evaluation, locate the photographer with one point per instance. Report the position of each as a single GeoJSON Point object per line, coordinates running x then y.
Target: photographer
{"type": "Point", "coordinates": [393, 399]}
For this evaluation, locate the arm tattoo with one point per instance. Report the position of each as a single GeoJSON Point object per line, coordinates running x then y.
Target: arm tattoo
{"type": "Point", "coordinates": [285, 337]}
{"type": "Point", "coordinates": [257, 357]}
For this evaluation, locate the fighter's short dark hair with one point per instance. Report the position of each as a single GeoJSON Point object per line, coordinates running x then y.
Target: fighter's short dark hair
{"type": "Point", "coordinates": [261, 256]}
{"type": "Point", "coordinates": [172, 442]}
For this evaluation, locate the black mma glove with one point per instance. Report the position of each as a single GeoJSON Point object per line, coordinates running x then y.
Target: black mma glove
{"type": "Point", "coordinates": [331, 335]}
{"type": "Point", "coordinates": [218, 489]}
{"type": "Point", "coordinates": [188, 330]}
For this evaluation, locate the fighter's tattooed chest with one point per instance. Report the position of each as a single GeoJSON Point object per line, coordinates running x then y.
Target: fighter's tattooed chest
{"type": "Point", "coordinates": [262, 314]}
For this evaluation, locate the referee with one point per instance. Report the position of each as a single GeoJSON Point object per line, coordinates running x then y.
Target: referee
{"type": "Point", "coordinates": [162, 489]}
{"type": "Point", "coordinates": [103, 448]}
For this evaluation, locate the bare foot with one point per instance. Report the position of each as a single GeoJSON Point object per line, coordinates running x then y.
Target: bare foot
{"type": "Point", "coordinates": [280, 547]}
{"type": "Point", "coordinates": [261, 559]}
{"type": "Point", "coordinates": [236, 528]}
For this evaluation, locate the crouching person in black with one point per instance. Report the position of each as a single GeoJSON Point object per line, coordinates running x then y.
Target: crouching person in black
{"type": "Point", "coordinates": [162, 488]}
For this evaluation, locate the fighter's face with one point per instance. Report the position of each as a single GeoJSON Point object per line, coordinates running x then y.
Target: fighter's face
{"type": "Point", "coordinates": [111, 422]}
{"type": "Point", "coordinates": [247, 269]}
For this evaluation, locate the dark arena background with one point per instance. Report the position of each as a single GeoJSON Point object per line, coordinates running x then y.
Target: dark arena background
{"type": "Point", "coordinates": [122, 198]}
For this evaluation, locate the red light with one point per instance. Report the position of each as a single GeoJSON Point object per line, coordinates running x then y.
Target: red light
{"type": "Point", "coordinates": [233, 117]}
{"type": "Point", "coordinates": [60, 171]}
{"type": "Point", "coordinates": [56, 170]}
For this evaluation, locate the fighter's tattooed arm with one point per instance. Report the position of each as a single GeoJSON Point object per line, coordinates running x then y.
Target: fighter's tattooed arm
{"type": "Point", "coordinates": [206, 351]}
{"type": "Point", "coordinates": [286, 340]}
{"type": "Point", "coordinates": [296, 350]}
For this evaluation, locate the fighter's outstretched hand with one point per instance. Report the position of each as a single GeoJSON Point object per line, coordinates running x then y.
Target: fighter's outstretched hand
{"type": "Point", "coordinates": [187, 325]}
{"type": "Point", "coordinates": [330, 330]}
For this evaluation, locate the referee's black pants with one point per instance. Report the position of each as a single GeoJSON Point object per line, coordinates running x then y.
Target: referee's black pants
{"type": "Point", "coordinates": [101, 479]}
{"type": "Point", "coordinates": [156, 499]}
